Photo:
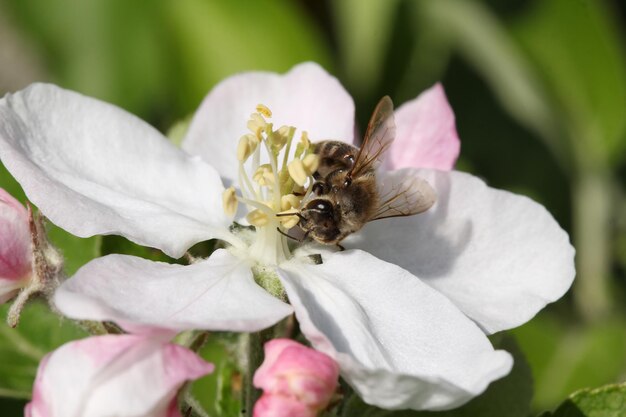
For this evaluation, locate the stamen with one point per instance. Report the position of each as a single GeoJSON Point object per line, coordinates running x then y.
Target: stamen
{"type": "Point", "coordinates": [272, 193]}
{"type": "Point", "coordinates": [290, 201]}
{"type": "Point", "coordinates": [258, 218]}
{"type": "Point", "coordinates": [229, 202]}
{"type": "Point", "coordinates": [247, 145]}
{"type": "Point", "coordinates": [256, 124]}
{"type": "Point", "coordinates": [289, 221]}
{"type": "Point", "coordinates": [264, 176]}
{"type": "Point", "coordinates": [301, 169]}
{"type": "Point", "coordinates": [264, 110]}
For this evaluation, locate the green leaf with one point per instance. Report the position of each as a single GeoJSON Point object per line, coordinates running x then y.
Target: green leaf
{"type": "Point", "coordinates": [607, 401]}
{"type": "Point", "coordinates": [507, 397]}
{"type": "Point", "coordinates": [39, 332]}
{"type": "Point", "coordinates": [567, 358]}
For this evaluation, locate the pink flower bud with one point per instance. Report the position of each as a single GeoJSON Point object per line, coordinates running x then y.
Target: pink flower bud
{"type": "Point", "coordinates": [114, 375]}
{"type": "Point", "coordinates": [15, 246]}
{"type": "Point", "coordinates": [292, 376]}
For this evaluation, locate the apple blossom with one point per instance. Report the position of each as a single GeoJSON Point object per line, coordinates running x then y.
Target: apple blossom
{"type": "Point", "coordinates": [114, 375]}
{"type": "Point", "coordinates": [293, 373]}
{"type": "Point", "coordinates": [403, 311]}
{"type": "Point", "coordinates": [16, 254]}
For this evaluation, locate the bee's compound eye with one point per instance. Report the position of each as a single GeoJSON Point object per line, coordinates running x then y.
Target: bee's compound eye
{"type": "Point", "coordinates": [323, 206]}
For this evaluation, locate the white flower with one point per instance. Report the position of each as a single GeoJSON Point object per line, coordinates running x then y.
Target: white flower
{"type": "Point", "coordinates": [404, 310]}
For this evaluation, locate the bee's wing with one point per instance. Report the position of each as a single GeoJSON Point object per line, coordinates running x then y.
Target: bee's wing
{"type": "Point", "coordinates": [381, 131]}
{"type": "Point", "coordinates": [404, 195]}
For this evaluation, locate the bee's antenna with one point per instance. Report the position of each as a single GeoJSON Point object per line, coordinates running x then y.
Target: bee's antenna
{"type": "Point", "coordinates": [291, 214]}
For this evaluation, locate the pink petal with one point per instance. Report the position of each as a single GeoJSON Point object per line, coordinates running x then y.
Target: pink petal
{"type": "Point", "coordinates": [279, 406]}
{"type": "Point", "coordinates": [306, 97]}
{"type": "Point", "coordinates": [122, 375]}
{"type": "Point", "coordinates": [292, 369]}
{"type": "Point", "coordinates": [15, 244]}
{"type": "Point", "coordinates": [426, 134]}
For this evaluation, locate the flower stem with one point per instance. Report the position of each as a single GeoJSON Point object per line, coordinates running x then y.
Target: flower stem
{"type": "Point", "coordinates": [254, 358]}
{"type": "Point", "coordinates": [592, 217]}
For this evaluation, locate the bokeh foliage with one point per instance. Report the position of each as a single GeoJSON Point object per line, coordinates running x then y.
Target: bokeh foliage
{"type": "Point", "coordinates": [538, 88]}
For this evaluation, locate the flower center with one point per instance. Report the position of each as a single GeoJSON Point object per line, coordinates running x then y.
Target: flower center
{"type": "Point", "coordinates": [272, 191]}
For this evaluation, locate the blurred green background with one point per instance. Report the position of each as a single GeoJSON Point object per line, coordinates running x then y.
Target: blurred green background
{"type": "Point", "coordinates": [538, 88]}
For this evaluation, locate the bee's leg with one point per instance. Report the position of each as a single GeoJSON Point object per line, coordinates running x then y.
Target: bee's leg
{"type": "Point", "coordinates": [341, 248]}
{"type": "Point", "coordinates": [288, 235]}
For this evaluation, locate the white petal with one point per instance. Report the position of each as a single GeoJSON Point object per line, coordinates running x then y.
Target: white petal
{"type": "Point", "coordinates": [306, 97]}
{"type": "Point", "coordinates": [92, 169]}
{"type": "Point", "coordinates": [216, 294]}
{"type": "Point", "coordinates": [498, 256]}
{"type": "Point", "coordinates": [399, 343]}
{"type": "Point", "coordinates": [124, 376]}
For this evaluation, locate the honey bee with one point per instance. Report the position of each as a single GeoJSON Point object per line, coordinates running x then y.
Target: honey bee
{"type": "Point", "coordinates": [347, 194]}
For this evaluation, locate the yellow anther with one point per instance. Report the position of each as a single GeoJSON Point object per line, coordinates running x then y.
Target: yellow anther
{"type": "Point", "coordinates": [289, 221]}
{"type": "Point", "coordinates": [264, 175]}
{"type": "Point", "coordinates": [304, 145]}
{"type": "Point", "coordinates": [279, 138]}
{"type": "Point", "coordinates": [264, 110]}
{"type": "Point", "coordinates": [256, 124]}
{"type": "Point", "coordinates": [257, 218]}
{"type": "Point", "coordinates": [297, 171]}
{"type": "Point", "coordinates": [304, 140]}
{"type": "Point", "coordinates": [311, 163]}
{"type": "Point", "coordinates": [247, 145]}
{"type": "Point", "coordinates": [229, 201]}
{"type": "Point", "coordinates": [290, 201]}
